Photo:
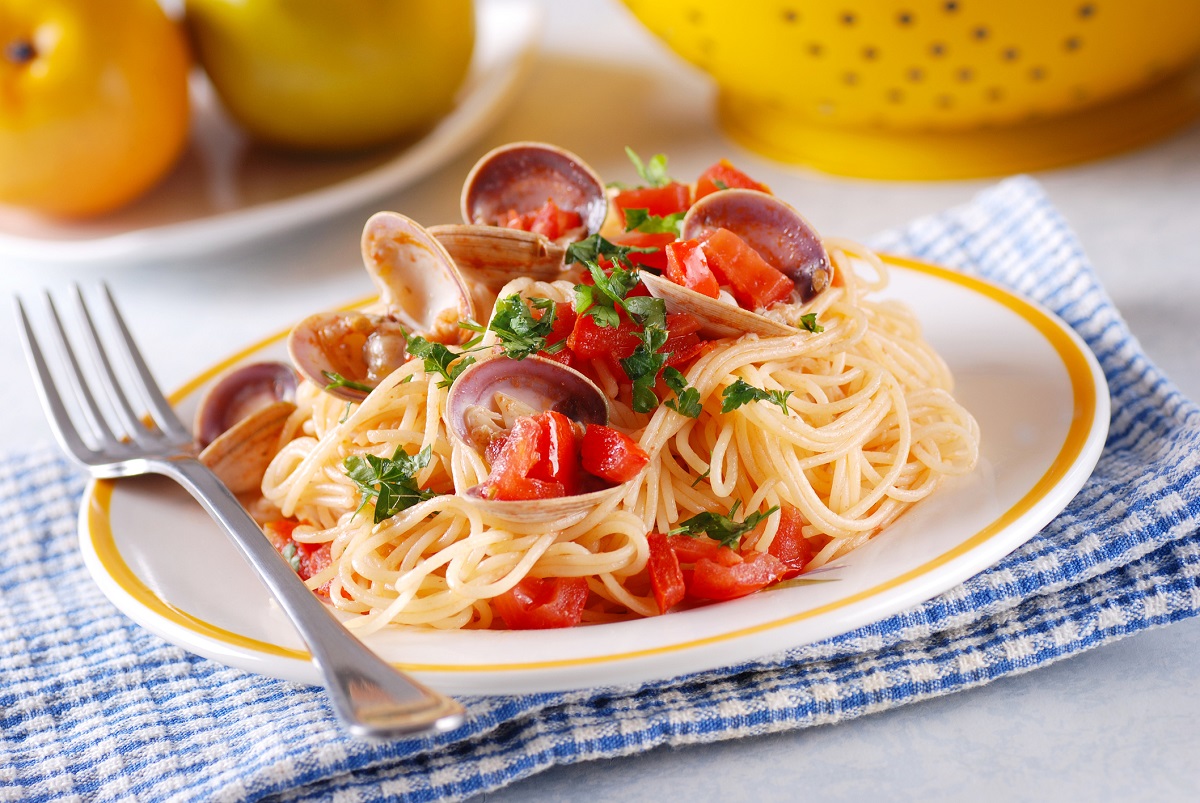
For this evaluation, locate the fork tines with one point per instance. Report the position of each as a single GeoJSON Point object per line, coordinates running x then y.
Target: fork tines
{"type": "Point", "coordinates": [92, 381]}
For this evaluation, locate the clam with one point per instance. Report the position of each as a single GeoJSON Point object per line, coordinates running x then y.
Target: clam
{"type": "Point", "coordinates": [421, 291]}
{"type": "Point", "coordinates": [772, 228]}
{"type": "Point", "coordinates": [522, 176]}
{"type": "Point", "coordinates": [240, 421]}
{"type": "Point", "coordinates": [519, 179]}
{"type": "Point", "coordinates": [500, 389]}
{"type": "Point", "coordinates": [717, 318]}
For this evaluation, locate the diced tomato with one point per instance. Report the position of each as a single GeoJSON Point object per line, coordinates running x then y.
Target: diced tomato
{"type": "Point", "coordinates": [661, 201]}
{"type": "Point", "coordinates": [754, 571]}
{"type": "Point", "coordinates": [690, 549]}
{"type": "Point", "coordinates": [755, 283]}
{"type": "Point", "coordinates": [729, 176]}
{"type": "Point", "coordinates": [792, 548]}
{"type": "Point", "coordinates": [688, 266]}
{"type": "Point", "coordinates": [611, 455]}
{"type": "Point", "coordinates": [515, 458]}
{"type": "Point", "coordinates": [564, 323]}
{"type": "Point", "coordinates": [549, 220]}
{"type": "Point", "coordinates": [310, 558]}
{"type": "Point", "coordinates": [589, 340]}
{"type": "Point", "coordinates": [656, 260]}
{"type": "Point", "coordinates": [538, 603]}
{"type": "Point", "coordinates": [559, 453]}
{"type": "Point", "coordinates": [666, 578]}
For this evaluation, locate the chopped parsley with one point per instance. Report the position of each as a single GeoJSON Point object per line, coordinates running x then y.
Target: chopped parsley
{"type": "Point", "coordinates": [589, 250]}
{"type": "Point", "coordinates": [641, 220]}
{"type": "Point", "coordinates": [653, 172]}
{"type": "Point", "coordinates": [521, 333]}
{"type": "Point", "coordinates": [809, 322]}
{"type": "Point", "coordinates": [687, 398]}
{"type": "Point", "coordinates": [438, 359]}
{"type": "Point", "coordinates": [720, 185]}
{"type": "Point", "coordinates": [336, 380]}
{"type": "Point", "coordinates": [741, 392]}
{"type": "Point", "coordinates": [391, 482]}
{"type": "Point", "coordinates": [702, 477]}
{"type": "Point", "coordinates": [291, 556]}
{"type": "Point", "coordinates": [722, 528]}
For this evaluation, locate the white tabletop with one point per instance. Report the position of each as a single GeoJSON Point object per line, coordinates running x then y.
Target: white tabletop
{"type": "Point", "coordinates": [1118, 723]}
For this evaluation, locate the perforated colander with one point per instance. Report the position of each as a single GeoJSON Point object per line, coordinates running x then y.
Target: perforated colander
{"type": "Point", "coordinates": [940, 88]}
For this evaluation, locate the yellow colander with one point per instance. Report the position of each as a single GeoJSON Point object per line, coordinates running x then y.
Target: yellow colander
{"type": "Point", "coordinates": [940, 88]}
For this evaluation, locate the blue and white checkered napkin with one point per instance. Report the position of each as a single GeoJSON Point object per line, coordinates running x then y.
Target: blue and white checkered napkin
{"type": "Point", "coordinates": [93, 707]}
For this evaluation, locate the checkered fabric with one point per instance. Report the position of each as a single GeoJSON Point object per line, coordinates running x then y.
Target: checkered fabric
{"type": "Point", "coordinates": [94, 708]}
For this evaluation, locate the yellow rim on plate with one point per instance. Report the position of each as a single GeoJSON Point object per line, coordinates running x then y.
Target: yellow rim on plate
{"type": "Point", "coordinates": [98, 498]}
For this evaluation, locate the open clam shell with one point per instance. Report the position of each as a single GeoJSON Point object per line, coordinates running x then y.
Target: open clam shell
{"type": "Point", "coordinates": [539, 385]}
{"type": "Point", "coordinates": [522, 176]}
{"type": "Point", "coordinates": [240, 421]}
{"type": "Point", "coordinates": [771, 227]}
{"type": "Point", "coordinates": [490, 257]}
{"type": "Point", "coordinates": [361, 348]}
{"type": "Point", "coordinates": [418, 280]}
{"type": "Point", "coordinates": [717, 318]}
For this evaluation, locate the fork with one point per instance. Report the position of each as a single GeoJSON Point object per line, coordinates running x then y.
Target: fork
{"type": "Point", "coordinates": [96, 423]}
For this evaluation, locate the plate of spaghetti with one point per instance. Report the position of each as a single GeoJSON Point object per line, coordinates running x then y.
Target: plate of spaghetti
{"type": "Point", "coordinates": [601, 435]}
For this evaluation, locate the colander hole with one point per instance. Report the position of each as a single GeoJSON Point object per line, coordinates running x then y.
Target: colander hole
{"type": "Point", "coordinates": [694, 16]}
{"type": "Point", "coordinates": [895, 96]}
{"type": "Point", "coordinates": [826, 107]}
{"type": "Point", "coordinates": [1087, 11]}
{"type": "Point", "coordinates": [950, 7]}
{"type": "Point", "coordinates": [964, 74]}
{"type": "Point", "coordinates": [944, 101]}
{"type": "Point", "coordinates": [905, 18]}
{"type": "Point", "coordinates": [980, 33]}
{"type": "Point", "coordinates": [937, 50]}
{"type": "Point", "coordinates": [915, 74]}
{"type": "Point", "coordinates": [1080, 93]}
{"type": "Point", "coordinates": [870, 53]}
{"type": "Point", "coordinates": [791, 15]}
{"type": "Point", "coordinates": [815, 50]}
{"type": "Point", "coordinates": [850, 78]}
{"type": "Point", "coordinates": [1072, 44]}
{"type": "Point", "coordinates": [994, 94]}
{"type": "Point", "coordinates": [848, 18]}
{"type": "Point", "coordinates": [1037, 73]}
{"type": "Point", "coordinates": [1010, 54]}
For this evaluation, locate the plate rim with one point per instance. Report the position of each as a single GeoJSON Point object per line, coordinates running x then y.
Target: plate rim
{"type": "Point", "coordinates": [1058, 484]}
{"type": "Point", "coordinates": [473, 113]}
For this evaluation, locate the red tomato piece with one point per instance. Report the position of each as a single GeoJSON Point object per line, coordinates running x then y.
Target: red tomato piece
{"type": "Point", "coordinates": [559, 452]}
{"type": "Point", "coordinates": [730, 176]}
{"type": "Point", "coordinates": [755, 283]}
{"type": "Point", "coordinates": [666, 578]}
{"type": "Point", "coordinates": [516, 457]}
{"type": "Point", "coordinates": [688, 266]}
{"type": "Point", "coordinates": [589, 340]}
{"type": "Point", "coordinates": [310, 558]}
{"type": "Point", "coordinates": [656, 260]}
{"type": "Point", "coordinates": [549, 220]}
{"type": "Point", "coordinates": [690, 549]}
{"type": "Point", "coordinates": [538, 603]}
{"type": "Point", "coordinates": [755, 571]}
{"type": "Point", "coordinates": [789, 545]}
{"type": "Point", "coordinates": [661, 201]}
{"type": "Point", "coordinates": [611, 455]}
{"type": "Point", "coordinates": [564, 323]}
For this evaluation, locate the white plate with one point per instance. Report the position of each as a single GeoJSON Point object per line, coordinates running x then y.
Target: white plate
{"type": "Point", "coordinates": [1037, 391]}
{"type": "Point", "coordinates": [225, 191]}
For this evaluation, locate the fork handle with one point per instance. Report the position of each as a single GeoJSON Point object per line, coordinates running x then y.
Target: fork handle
{"type": "Point", "coordinates": [372, 697]}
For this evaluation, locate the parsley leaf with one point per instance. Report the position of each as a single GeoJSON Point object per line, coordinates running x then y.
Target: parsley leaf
{"type": "Point", "coordinates": [520, 333]}
{"type": "Point", "coordinates": [335, 380]}
{"type": "Point", "coordinates": [722, 528]}
{"type": "Point", "coordinates": [654, 172]}
{"type": "Point", "coordinates": [607, 293]}
{"type": "Point", "coordinates": [589, 250]}
{"type": "Point", "coordinates": [643, 365]}
{"type": "Point", "coordinates": [741, 392]}
{"type": "Point", "coordinates": [390, 482]}
{"type": "Point", "coordinates": [809, 322]}
{"type": "Point", "coordinates": [702, 477]}
{"type": "Point", "coordinates": [290, 555]}
{"type": "Point", "coordinates": [641, 220]}
{"type": "Point", "coordinates": [687, 398]}
{"type": "Point", "coordinates": [438, 359]}
{"type": "Point", "coordinates": [720, 185]}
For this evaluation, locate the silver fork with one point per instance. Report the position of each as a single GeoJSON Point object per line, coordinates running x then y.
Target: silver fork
{"type": "Point", "coordinates": [96, 423]}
